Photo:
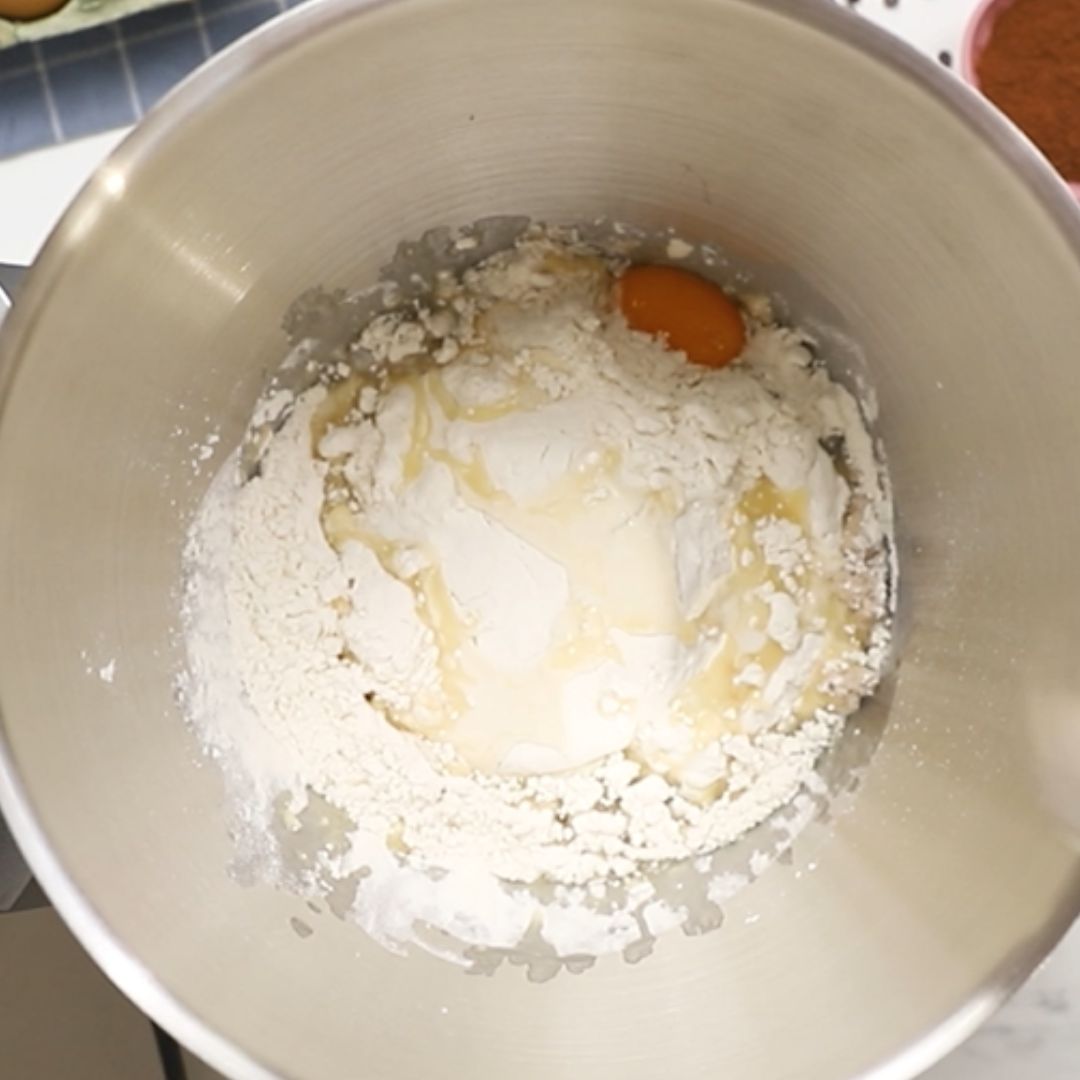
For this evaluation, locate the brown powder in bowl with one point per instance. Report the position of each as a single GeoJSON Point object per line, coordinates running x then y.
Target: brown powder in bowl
{"type": "Point", "coordinates": [1030, 69]}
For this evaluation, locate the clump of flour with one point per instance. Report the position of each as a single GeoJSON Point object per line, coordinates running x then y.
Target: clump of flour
{"type": "Point", "coordinates": [537, 605]}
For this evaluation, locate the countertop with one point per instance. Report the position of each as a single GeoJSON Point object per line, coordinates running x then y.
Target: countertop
{"type": "Point", "coordinates": [1036, 1036]}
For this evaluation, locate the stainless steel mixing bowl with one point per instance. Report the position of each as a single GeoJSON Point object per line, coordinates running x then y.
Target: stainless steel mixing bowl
{"type": "Point", "coordinates": [799, 139]}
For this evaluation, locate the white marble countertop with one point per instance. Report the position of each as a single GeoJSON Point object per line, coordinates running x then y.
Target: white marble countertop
{"type": "Point", "coordinates": [1036, 1036]}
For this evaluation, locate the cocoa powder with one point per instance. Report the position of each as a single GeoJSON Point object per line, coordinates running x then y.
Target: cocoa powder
{"type": "Point", "coordinates": [1030, 69]}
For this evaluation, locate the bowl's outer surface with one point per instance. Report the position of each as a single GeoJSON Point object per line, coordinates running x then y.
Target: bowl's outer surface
{"type": "Point", "coordinates": [801, 141]}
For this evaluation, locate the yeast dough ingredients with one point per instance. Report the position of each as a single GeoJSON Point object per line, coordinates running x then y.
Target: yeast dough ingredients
{"type": "Point", "coordinates": [531, 598]}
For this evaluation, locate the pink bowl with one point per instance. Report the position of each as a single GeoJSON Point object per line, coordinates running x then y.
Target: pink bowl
{"type": "Point", "coordinates": [977, 34]}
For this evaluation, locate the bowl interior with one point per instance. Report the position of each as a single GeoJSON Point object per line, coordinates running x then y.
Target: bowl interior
{"type": "Point", "coordinates": [856, 180]}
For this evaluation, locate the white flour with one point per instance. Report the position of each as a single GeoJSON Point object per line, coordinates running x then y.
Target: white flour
{"type": "Point", "coordinates": [532, 600]}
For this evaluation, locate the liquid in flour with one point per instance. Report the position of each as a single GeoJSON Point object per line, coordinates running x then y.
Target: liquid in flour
{"type": "Point", "coordinates": [533, 601]}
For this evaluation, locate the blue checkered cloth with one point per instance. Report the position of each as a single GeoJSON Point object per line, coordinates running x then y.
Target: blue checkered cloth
{"type": "Point", "coordinates": [108, 76]}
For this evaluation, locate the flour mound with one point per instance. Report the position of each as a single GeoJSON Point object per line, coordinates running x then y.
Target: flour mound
{"type": "Point", "coordinates": [533, 601]}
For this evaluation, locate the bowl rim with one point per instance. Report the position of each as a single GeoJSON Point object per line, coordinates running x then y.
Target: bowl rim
{"type": "Point", "coordinates": [102, 941]}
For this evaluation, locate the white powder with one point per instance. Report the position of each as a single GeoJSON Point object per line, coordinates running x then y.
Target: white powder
{"type": "Point", "coordinates": [678, 248]}
{"type": "Point", "coordinates": [533, 600]}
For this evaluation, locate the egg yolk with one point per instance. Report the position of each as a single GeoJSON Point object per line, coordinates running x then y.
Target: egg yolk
{"type": "Point", "coordinates": [693, 315]}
